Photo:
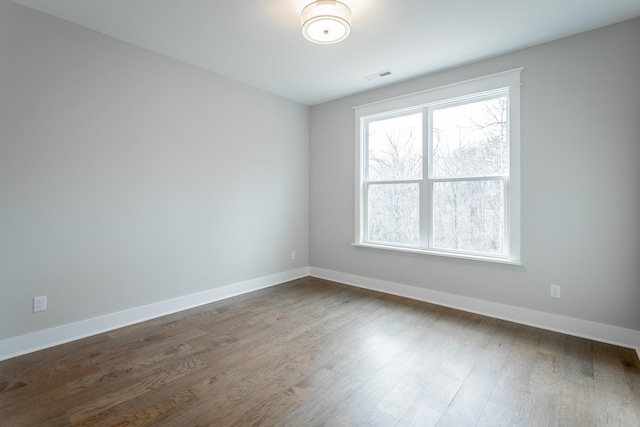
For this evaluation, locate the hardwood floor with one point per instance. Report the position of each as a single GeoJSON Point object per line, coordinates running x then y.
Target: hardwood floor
{"type": "Point", "coordinates": [312, 352]}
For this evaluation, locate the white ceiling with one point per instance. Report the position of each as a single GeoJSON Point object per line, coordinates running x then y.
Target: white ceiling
{"type": "Point", "coordinates": [258, 42]}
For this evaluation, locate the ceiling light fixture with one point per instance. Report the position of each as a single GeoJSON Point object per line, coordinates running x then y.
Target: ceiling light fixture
{"type": "Point", "coordinates": [326, 21]}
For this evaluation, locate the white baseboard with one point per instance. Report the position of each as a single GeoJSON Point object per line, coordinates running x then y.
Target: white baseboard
{"type": "Point", "coordinates": [568, 325]}
{"type": "Point", "coordinates": [35, 341]}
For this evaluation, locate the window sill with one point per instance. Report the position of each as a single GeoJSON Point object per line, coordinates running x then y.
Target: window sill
{"type": "Point", "coordinates": [438, 253]}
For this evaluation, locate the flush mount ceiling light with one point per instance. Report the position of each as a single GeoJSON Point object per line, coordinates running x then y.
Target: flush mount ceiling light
{"type": "Point", "coordinates": [326, 21]}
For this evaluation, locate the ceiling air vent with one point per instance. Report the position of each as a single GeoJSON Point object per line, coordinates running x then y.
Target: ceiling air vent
{"type": "Point", "coordinates": [379, 74]}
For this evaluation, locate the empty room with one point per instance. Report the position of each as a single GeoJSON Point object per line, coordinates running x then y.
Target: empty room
{"type": "Point", "coordinates": [319, 213]}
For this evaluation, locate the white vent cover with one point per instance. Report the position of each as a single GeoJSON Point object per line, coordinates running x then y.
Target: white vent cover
{"type": "Point", "coordinates": [379, 74]}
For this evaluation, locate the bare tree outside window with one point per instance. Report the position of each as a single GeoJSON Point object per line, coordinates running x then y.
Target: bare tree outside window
{"type": "Point", "coordinates": [470, 140]}
{"type": "Point", "coordinates": [395, 148]}
{"type": "Point", "coordinates": [469, 162]}
{"type": "Point", "coordinates": [394, 168]}
{"type": "Point", "coordinates": [470, 147]}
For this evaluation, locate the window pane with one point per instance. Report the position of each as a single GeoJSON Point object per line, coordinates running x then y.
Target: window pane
{"type": "Point", "coordinates": [470, 139]}
{"type": "Point", "coordinates": [394, 213]}
{"type": "Point", "coordinates": [469, 216]}
{"type": "Point", "coordinates": [395, 148]}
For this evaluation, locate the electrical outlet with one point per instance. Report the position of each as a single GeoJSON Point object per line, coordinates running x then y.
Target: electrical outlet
{"type": "Point", "coordinates": [39, 303]}
{"type": "Point", "coordinates": [293, 254]}
{"type": "Point", "coordinates": [555, 291]}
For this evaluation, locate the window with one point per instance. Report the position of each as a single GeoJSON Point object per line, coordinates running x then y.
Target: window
{"type": "Point", "coordinates": [438, 171]}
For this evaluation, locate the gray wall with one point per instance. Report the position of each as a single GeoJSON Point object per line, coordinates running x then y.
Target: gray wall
{"type": "Point", "coordinates": [128, 178]}
{"type": "Point", "coordinates": [580, 178]}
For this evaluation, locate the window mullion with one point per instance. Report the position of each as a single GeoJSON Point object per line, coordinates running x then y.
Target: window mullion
{"type": "Point", "coordinates": [364, 225]}
{"type": "Point", "coordinates": [506, 226]}
{"type": "Point", "coordinates": [396, 181]}
{"type": "Point", "coordinates": [427, 204]}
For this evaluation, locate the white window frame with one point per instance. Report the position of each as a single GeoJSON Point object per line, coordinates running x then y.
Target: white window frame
{"type": "Point", "coordinates": [505, 83]}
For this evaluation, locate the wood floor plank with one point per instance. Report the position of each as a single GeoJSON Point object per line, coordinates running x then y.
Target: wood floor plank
{"type": "Point", "coordinates": [113, 416]}
{"type": "Point", "coordinates": [631, 366]}
{"type": "Point", "coordinates": [375, 418]}
{"type": "Point", "coordinates": [494, 415]}
{"type": "Point", "coordinates": [268, 412]}
{"type": "Point", "coordinates": [107, 400]}
{"type": "Point", "coordinates": [400, 398]}
{"type": "Point", "coordinates": [154, 413]}
{"type": "Point", "coordinates": [420, 415]}
{"type": "Point", "coordinates": [493, 357]}
{"type": "Point", "coordinates": [50, 418]}
{"type": "Point", "coordinates": [614, 403]}
{"type": "Point", "coordinates": [512, 384]}
{"type": "Point", "coordinates": [438, 391]}
{"type": "Point", "coordinates": [320, 409]}
{"type": "Point", "coordinates": [190, 378]}
{"type": "Point", "coordinates": [541, 404]}
{"type": "Point", "coordinates": [466, 407]}
{"type": "Point", "coordinates": [312, 385]}
{"type": "Point", "coordinates": [359, 405]}
{"type": "Point", "coordinates": [256, 394]}
{"type": "Point", "coordinates": [48, 400]}
{"type": "Point", "coordinates": [312, 352]}
{"type": "Point", "coordinates": [577, 387]}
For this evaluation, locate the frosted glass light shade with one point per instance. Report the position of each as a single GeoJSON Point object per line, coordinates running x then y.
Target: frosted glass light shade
{"type": "Point", "coordinates": [326, 21]}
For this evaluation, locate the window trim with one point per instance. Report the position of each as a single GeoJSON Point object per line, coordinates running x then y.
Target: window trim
{"type": "Point", "coordinates": [503, 82]}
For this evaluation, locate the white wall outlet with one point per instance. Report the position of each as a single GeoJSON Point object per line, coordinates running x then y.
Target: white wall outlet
{"type": "Point", "coordinates": [555, 291]}
{"type": "Point", "coordinates": [293, 254]}
{"type": "Point", "coordinates": [39, 303]}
